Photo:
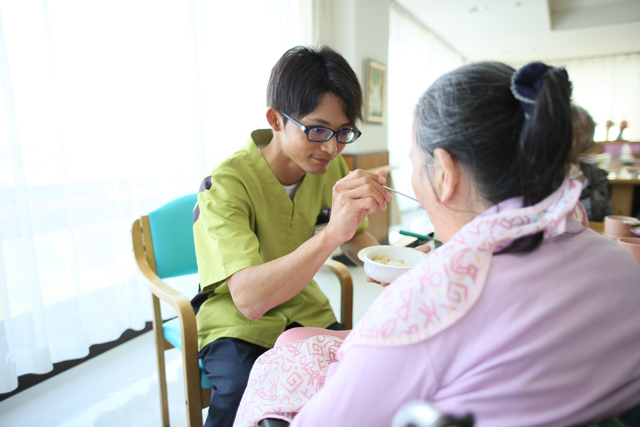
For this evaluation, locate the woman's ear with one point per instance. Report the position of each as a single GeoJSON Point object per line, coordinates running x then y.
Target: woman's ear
{"type": "Point", "coordinates": [449, 175]}
{"type": "Point", "coordinates": [274, 119]}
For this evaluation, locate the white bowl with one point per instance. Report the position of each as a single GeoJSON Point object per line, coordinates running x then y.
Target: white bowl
{"type": "Point", "coordinates": [388, 273]}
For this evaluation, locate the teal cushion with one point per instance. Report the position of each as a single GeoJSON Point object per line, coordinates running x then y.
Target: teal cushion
{"type": "Point", "coordinates": [172, 334]}
{"type": "Point", "coordinates": [172, 235]}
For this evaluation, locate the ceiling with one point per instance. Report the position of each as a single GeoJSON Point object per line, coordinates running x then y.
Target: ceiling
{"type": "Point", "coordinates": [525, 30]}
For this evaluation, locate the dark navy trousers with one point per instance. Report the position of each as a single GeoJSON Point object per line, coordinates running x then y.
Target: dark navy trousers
{"type": "Point", "coordinates": [227, 363]}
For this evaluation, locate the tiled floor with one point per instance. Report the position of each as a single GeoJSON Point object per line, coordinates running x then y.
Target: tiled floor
{"type": "Point", "coordinates": [119, 388]}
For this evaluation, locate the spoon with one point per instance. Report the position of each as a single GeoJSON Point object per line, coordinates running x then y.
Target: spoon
{"type": "Point", "coordinates": [402, 194]}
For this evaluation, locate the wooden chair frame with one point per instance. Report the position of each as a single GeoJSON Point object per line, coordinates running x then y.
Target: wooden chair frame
{"type": "Point", "coordinates": [197, 398]}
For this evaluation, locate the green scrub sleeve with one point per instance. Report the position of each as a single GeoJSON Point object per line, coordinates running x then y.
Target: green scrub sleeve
{"type": "Point", "coordinates": [225, 242]}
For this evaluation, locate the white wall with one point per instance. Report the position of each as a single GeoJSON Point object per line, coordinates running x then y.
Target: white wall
{"type": "Point", "coordinates": [361, 32]}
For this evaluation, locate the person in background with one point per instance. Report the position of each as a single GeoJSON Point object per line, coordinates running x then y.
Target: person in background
{"type": "Point", "coordinates": [272, 213]}
{"type": "Point", "coordinates": [523, 317]}
{"type": "Point", "coordinates": [595, 191]}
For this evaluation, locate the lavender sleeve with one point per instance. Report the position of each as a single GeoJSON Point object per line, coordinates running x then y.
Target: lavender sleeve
{"type": "Point", "coordinates": [369, 385]}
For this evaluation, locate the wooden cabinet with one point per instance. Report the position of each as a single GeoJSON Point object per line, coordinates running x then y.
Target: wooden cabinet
{"type": "Point", "coordinates": [366, 161]}
{"type": "Point", "coordinates": [378, 221]}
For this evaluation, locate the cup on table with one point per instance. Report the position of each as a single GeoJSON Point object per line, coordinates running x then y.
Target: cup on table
{"type": "Point", "coordinates": [614, 226]}
{"type": "Point", "coordinates": [632, 244]}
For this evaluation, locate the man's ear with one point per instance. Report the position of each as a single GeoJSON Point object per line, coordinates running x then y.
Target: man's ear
{"type": "Point", "coordinates": [274, 119]}
{"type": "Point", "coordinates": [449, 175]}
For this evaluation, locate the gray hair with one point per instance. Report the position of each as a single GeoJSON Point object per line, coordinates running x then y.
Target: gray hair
{"type": "Point", "coordinates": [472, 114]}
{"type": "Point", "coordinates": [583, 125]}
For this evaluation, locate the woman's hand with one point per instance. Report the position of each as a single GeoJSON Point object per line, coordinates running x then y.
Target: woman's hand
{"type": "Point", "coordinates": [384, 285]}
{"type": "Point", "coordinates": [354, 197]}
{"type": "Point", "coordinates": [422, 248]}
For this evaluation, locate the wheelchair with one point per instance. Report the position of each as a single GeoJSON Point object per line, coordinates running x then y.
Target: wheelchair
{"type": "Point", "coordinates": [412, 414]}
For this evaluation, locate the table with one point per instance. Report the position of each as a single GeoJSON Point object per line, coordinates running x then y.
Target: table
{"type": "Point", "coordinates": [622, 181]}
{"type": "Point", "coordinates": [598, 227]}
{"type": "Point", "coordinates": [408, 240]}
{"type": "Point", "coordinates": [621, 185]}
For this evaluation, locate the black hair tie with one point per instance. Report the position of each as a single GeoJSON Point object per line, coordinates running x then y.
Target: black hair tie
{"type": "Point", "coordinates": [527, 81]}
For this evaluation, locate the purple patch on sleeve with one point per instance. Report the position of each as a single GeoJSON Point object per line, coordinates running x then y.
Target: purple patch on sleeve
{"type": "Point", "coordinates": [205, 185]}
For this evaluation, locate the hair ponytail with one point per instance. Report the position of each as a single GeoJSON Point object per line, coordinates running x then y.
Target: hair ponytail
{"type": "Point", "coordinates": [546, 139]}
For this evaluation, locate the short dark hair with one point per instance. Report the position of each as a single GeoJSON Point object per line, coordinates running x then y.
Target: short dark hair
{"type": "Point", "coordinates": [303, 75]}
{"type": "Point", "coordinates": [472, 114]}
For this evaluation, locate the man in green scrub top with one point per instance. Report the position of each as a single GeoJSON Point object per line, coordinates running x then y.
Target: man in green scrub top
{"type": "Point", "coordinates": [270, 215]}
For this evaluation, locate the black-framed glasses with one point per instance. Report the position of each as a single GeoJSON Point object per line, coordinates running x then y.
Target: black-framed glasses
{"type": "Point", "coordinates": [323, 134]}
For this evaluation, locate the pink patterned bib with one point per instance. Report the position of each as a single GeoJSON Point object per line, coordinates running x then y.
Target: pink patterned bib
{"type": "Point", "coordinates": [441, 289]}
{"type": "Point", "coordinates": [284, 378]}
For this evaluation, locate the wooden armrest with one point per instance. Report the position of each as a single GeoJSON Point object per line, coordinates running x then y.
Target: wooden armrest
{"type": "Point", "coordinates": [180, 303]}
{"type": "Point", "coordinates": [346, 290]}
{"type": "Point", "coordinates": [156, 285]}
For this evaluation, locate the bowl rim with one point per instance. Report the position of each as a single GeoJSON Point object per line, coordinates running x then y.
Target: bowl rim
{"type": "Point", "coordinates": [635, 241]}
{"type": "Point", "coordinates": [619, 218]}
{"type": "Point", "coordinates": [364, 258]}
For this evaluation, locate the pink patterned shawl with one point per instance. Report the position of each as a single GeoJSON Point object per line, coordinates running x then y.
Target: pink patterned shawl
{"type": "Point", "coordinates": [421, 303]}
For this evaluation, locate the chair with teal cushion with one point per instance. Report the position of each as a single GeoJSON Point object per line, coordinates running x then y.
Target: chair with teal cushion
{"type": "Point", "coordinates": [163, 247]}
{"type": "Point", "coordinates": [171, 331]}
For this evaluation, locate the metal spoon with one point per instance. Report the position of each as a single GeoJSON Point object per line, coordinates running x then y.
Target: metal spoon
{"type": "Point", "coordinates": [402, 194]}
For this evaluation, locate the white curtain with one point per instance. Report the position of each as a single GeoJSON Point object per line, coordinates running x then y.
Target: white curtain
{"type": "Point", "coordinates": [609, 88]}
{"type": "Point", "coordinates": [416, 58]}
{"type": "Point", "coordinates": [108, 110]}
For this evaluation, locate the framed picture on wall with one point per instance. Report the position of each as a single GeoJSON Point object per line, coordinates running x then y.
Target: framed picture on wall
{"type": "Point", "coordinates": [375, 91]}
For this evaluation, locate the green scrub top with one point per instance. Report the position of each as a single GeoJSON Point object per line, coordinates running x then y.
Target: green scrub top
{"type": "Point", "coordinates": [244, 217]}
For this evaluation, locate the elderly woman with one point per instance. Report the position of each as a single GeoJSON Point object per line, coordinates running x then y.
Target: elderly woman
{"type": "Point", "coordinates": [524, 317]}
{"type": "Point", "coordinates": [595, 191]}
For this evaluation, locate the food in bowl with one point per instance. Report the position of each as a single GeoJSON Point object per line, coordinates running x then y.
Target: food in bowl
{"type": "Point", "coordinates": [384, 259]}
{"type": "Point", "coordinates": [384, 263]}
